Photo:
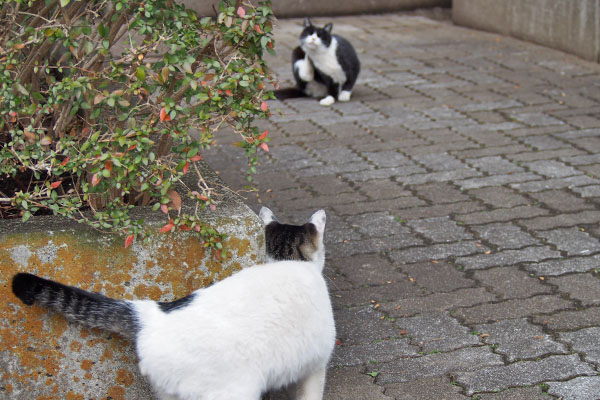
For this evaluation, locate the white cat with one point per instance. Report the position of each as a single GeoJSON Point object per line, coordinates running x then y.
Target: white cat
{"type": "Point", "coordinates": [266, 327]}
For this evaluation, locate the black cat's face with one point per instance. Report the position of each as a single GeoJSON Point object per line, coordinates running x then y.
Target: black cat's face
{"type": "Point", "coordinates": [294, 242]}
{"type": "Point", "coordinates": [313, 37]}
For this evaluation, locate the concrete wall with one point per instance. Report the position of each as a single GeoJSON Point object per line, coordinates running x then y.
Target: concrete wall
{"type": "Point", "coordinates": [42, 356]}
{"type": "Point", "coordinates": [313, 8]}
{"type": "Point", "coordinates": [569, 25]}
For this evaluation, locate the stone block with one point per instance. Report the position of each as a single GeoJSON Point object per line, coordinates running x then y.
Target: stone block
{"type": "Point", "coordinates": [523, 373]}
{"type": "Point", "coordinates": [568, 26]}
{"type": "Point", "coordinates": [47, 355]}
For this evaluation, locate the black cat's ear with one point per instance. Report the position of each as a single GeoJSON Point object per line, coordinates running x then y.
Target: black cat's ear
{"type": "Point", "coordinates": [318, 220]}
{"type": "Point", "coordinates": [307, 22]}
{"type": "Point", "coordinates": [327, 28]}
{"type": "Point", "coordinates": [267, 216]}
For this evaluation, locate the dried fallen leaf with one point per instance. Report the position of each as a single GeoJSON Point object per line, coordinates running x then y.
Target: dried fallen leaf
{"type": "Point", "coordinates": [175, 199]}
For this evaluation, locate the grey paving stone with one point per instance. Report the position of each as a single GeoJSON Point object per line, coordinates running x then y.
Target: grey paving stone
{"type": "Point", "coordinates": [380, 244]}
{"type": "Point", "coordinates": [387, 159]}
{"type": "Point", "coordinates": [557, 183]}
{"type": "Point", "coordinates": [363, 325]}
{"type": "Point", "coordinates": [517, 339]}
{"type": "Point", "coordinates": [437, 387]}
{"type": "Point", "coordinates": [505, 236]}
{"type": "Point", "coordinates": [582, 287]}
{"type": "Point", "coordinates": [372, 353]}
{"type": "Point", "coordinates": [496, 180]}
{"type": "Point", "coordinates": [381, 189]}
{"type": "Point", "coordinates": [437, 276]}
{"type": "Point", "coordinates": [522, 393]}
{"type": "Point", "coordinates": [439, 229]}
{"type": "Point", "coordinates": [366, 172]}
{"type": "Point", "coordinates": [366, 295]}
{"type": "Point", "coordinates": [352, 384]}
{"type": "Point", "coordinates": [508, 309]}
{"type": "Point", "coordinates": [561, 200]}
{"type": "Point", "coordinates": [588, 191]}
{"type": "Point", "coordinates": [463, 207]}
{"type": "Point", "coordinates": [437, 364]}
{"type": "Point", "coordinates": [563, 266]}
{"type": "Point", "coordinates": [580, 388]}
{"type": "Point", "coordinates": [494, 165]}
{"type": "Point", "coordinates": [435, 332]}
{"type": "Point", "coordinates": [439, 162]}
{"type": "Point", "coordinates": [440, 193]}
{"type": "Point", "coordinates": [563, 220]}
{"type": "Point", "coordinates": [552, 169]}
{"type": "Point", "coordinates": [507, 257]}
{"type": "Point", "coordinates": [584, 341]}
{"type": "Point", "coordinates": [366, 269]}
{"type": "Point", "coordinates": [377, 224]}
{"type": "Point", "coordinates": [572, 240]}
{"type": "Point", "coordinates": [569, 320]}
{"type": "Point", "coordinates": [501, 215]}
{"type": "Point", "coordinates": [437, 252]}
{"type": "Point", "coordinates": [440, 176]}
{"type": "Point", "coordinates": [510, 282]}
{"type": "Point", "coordinates": [500, 197]}
{"type": "Point", "coordinates": [523, 373]}
{"type": "Point", "coordinates": [437, 302]}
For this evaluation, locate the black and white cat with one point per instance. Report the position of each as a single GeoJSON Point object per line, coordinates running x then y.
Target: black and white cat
{"type": "Point", "coordinates": [324, 65]}
{"type": "Point", "coordinates": [265, 327]}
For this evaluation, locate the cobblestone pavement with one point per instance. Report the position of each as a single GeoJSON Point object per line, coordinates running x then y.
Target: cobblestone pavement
{"type": "Point", "coordinates": [462, 188]}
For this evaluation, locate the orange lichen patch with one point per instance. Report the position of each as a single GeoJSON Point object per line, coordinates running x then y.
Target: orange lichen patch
{"type": "Point", "coordinates": [88, 376]}
{"type": "Point", "coordinates": [124, 377]}
{"type": "Point", "coordinates": [116, 392]}
{"type": "Point", "coordinates": [73, 396]}
{"type": "Point", "coordinates": [107, 354]}
{"type": "Point", "coordinates": [75, 346]}
{"type": "Point", "coordinates": [8, 387]}
{"type": "Point", "coordinates": [147, 292]}
{"type": "Point", "coordinates": [241, 246]}
{"type": "Point", "coordinates": [86, 365]}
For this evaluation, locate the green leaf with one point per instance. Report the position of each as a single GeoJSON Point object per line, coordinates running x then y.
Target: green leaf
{"type": "Point", "coordinates": [64, 3]}
{"type": "Point", "coordinates": [140, 72]}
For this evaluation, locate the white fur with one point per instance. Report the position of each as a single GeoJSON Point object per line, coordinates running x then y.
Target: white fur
{"type": "Point", "coordinates": [305, 69]}
{"type": "Point", "coordinates": [266, 215]}
{"type": "Point", "coordinates": [324, 58]}
{"type": "Point", "coordinates": [265, 327]}
{"type": "Point", "coordinates": [327, 101]}
{"type": "Point", "coordinates": [344, 95]}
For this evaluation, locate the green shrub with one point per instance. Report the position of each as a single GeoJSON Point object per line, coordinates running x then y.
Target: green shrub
{"type": "Point", "coordinates": [99, 100]}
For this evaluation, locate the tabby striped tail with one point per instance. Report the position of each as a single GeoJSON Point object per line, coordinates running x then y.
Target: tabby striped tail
{"type": "Point", "coordinates": [92, 309]}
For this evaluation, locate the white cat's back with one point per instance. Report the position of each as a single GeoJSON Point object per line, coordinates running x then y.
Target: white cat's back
{"type": "Point", "coordinates": [263, 327]}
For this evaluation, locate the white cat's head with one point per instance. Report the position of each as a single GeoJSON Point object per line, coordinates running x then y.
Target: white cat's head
{"type": "Point", "coordinates": [313, 38]}
{"type": "Point", "coordinates": [295, 242]}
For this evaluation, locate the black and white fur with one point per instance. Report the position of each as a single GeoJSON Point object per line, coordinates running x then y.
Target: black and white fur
{"type": "Point", "coordinates": [266, 327]}
{"type": "Point", "coordinates": [325, 66]}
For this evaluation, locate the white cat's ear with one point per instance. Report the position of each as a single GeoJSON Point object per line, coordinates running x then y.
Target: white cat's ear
{"type": "Point", "coordinates": [266, 215]}
{"type": "Point", "coordinates": [327, 28]}
{"type": "Point", "coordinates": [307, 22]}
{"type": "Point", "coordinates": [318, 219]}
